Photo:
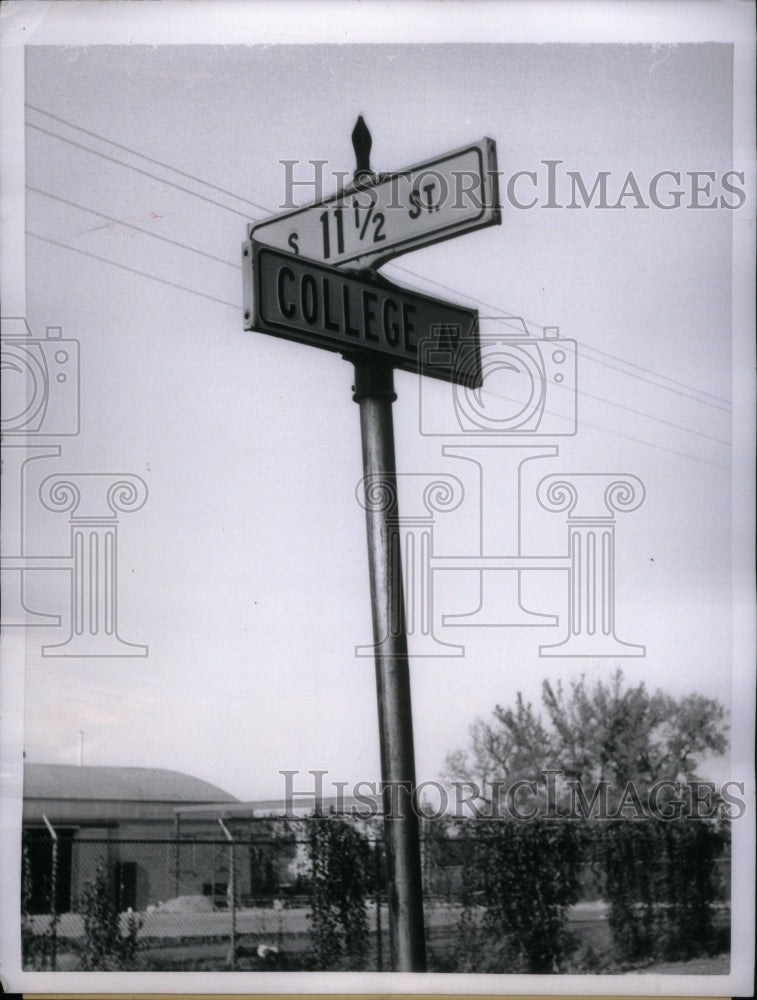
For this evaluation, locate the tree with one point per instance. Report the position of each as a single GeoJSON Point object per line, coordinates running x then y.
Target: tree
{"type": "Point", "coordinates": [607, 732]}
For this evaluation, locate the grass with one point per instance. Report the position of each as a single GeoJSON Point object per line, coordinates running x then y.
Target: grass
{"type": "Point", "coordinates": [187, 948]}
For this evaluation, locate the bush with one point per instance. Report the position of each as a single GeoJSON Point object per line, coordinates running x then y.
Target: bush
{"type": "Point", "coordinates": [661, 883]}
{"type": "Point", "coordinates": [342, 878]}
{"type": "Point", "coordinates": [105, 947]}
{"type": "Point", "coordinates": [522, 877]}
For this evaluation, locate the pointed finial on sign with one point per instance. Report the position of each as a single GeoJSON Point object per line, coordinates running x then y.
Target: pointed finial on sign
{"type": "Point", "coordinates": [361, 141]}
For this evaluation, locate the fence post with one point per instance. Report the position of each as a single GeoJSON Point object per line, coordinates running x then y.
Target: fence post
{"type": "Point", "coordinates": [231, 893]}
{"type": "Point", "coordinates": [177, 854]}
{"type": "Point", "coordinates": [53, 894]}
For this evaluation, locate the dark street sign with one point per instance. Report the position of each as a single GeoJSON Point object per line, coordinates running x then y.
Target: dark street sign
{"type": "Point", "coordinates": [359, 315]}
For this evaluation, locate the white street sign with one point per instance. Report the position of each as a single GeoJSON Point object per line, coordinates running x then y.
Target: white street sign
{"type": "Point", "coordinates": [366, 225]}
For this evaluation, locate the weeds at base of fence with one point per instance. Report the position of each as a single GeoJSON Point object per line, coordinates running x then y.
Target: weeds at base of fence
{"type": "Point", "coordinates": [39, 950]}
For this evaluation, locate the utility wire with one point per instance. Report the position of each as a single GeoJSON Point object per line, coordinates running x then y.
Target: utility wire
{"type": "Point", "coordinates": [649, 381]}
{"type": "Point", "coordinates": [147, 232]}
{"type": "Point", "coordinates": [149, 159]}
{"type": "Point", "coordinates": [631, 409]}
{"type": "Point", "coordinates": [232, 305]}
{"type": "Point", "coordinates": [132, 270]}
{"type": "Point", "coordinates": [129, 166]}
{"type": "Point", "coordinates": [128, 225]}
{"type": "Point", "coordinates": [627, 437]}
{"type": "Point", "coordinates": [505, 313]}
{"type": "Point", "coordinates": [649, 371]}
{"type": "Point", "coordinates": [505, 318]}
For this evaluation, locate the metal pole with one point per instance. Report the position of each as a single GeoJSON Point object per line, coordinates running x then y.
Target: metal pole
{"type": "Point", "coordinates": [374, 393]}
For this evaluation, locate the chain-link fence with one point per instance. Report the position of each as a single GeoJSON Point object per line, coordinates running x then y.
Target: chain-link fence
{"type": "Point", "coordinates": [192, 903]}
{"type": "Point", "coordinates": [310, 895]}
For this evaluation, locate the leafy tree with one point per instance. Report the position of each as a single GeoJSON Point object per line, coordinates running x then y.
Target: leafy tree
{"type": "Point", "coordinates": [605, 732]}
{"type": "Point", "coordinates": [659, 877]}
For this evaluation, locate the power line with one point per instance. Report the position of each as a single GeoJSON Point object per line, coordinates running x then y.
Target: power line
{"type": "Point", "coordinates": [649, 371]}
{"type": "Point", "coordinates": [129, 225]}
{"type": "Point", "coordinates": [149, 159]}
{"type": "Point", "coordinates": [627, 437]}
{"type": "Point", "coordinates": [649, 381]}
{"type": "Point", "coordinates": [184, 246]}
{"type": "Point", "coordinates": [212, 298]}
{"type": "Point", "coordinates": [132, 270]}
{"type": "Point", "coordinates": [654, 444]}
{"type": "Point", "coordinates": [638, 413]}
{"type": "Point", "coordinates": [215, 187]}
{"type": "Point", "coordinates": [594, 350]}
{"type": "Point", "coordinates": [129, 166]}
{"type": "Point", "coordinates": [507, 319]}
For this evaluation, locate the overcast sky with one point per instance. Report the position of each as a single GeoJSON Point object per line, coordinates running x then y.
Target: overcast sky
{"type": "Point", "coordinates": [245, 572]}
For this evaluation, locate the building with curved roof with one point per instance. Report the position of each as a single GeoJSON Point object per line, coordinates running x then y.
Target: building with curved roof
{"type": "Point", "coordinates": [122, 796]}
{"type": "Point", "coordinates": [77, 817]}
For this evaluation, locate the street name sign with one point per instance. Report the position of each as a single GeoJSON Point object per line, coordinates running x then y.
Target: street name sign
{"type": "Point", "coordinates": [367, 224]}
{"type": "Point", "coordinates": [357, 315]}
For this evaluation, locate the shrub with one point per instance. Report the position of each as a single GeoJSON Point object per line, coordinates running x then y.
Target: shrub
{"type": "Point", "coordinates": [661, 883]}
{"type": "Point", "coordinates": [341, 866]}
{"type": "Point", "coordinates": [105, 947]}
{"type": "Point", "coordinates": [522, 877]}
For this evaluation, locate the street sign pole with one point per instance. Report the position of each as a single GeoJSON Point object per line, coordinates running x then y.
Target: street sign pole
{"type": "Point", "coordinates": [295, 288]}
{"type": "Point", "coordinates": [374, 393]}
